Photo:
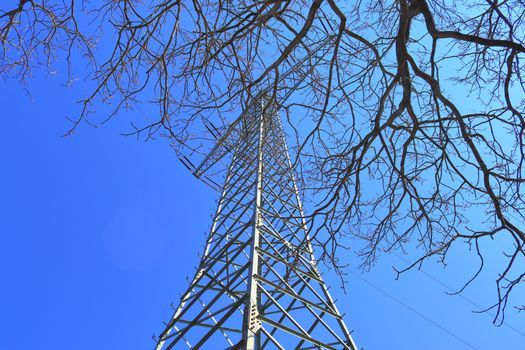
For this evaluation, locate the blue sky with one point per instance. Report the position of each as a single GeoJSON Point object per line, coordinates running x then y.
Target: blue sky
{"type": "Point", "coordinates": [100, 231]}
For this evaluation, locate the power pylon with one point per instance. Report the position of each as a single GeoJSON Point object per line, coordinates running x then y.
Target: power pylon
{"type": "Point", "coordinates": [257, 285]}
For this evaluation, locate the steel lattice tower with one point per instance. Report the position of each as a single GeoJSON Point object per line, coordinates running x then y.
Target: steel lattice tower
{"type": "Point", "coordinates": [257, 285]}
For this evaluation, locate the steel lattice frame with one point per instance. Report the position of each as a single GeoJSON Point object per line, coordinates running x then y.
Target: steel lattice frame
{"type": "Point", "coordinates": [257, 285]}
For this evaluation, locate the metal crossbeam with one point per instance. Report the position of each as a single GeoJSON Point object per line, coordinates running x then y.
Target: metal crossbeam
{"type": "Point", "coordinates": [257, 286]}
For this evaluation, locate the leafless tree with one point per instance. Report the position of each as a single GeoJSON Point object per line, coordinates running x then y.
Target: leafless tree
{"type": "Point", "coordinates": [409, 126]}
{"type": "Point", "coordinates": [32, 33]}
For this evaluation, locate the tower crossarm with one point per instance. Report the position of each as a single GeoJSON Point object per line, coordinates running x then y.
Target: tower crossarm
{"type": "Point", "coordinates": [224, 143]}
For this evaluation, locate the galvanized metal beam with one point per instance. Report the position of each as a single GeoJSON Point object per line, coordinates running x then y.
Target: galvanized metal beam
{"type": "Point", "coordinates": [257, 285]}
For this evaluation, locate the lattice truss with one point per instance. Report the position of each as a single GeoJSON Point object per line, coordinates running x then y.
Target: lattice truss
{"type": "Point", "coordinates": [257, 285]}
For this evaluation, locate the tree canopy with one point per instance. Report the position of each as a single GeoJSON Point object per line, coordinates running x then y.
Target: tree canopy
{"type": "Point", "coordinates": [408, 122]}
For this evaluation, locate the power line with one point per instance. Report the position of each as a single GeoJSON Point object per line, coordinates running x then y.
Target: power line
{"type": "Point", "coordinates": [414, 310]}
{"type": "Point", "coordinates": [470, 301]}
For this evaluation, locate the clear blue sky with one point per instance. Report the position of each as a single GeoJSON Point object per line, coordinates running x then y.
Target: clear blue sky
{"type": "Point", "coordinates": [99, 233]}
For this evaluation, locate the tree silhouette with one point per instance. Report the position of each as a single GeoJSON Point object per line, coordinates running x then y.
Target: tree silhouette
{"type": "Point", "coordinates": [409, 126]}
